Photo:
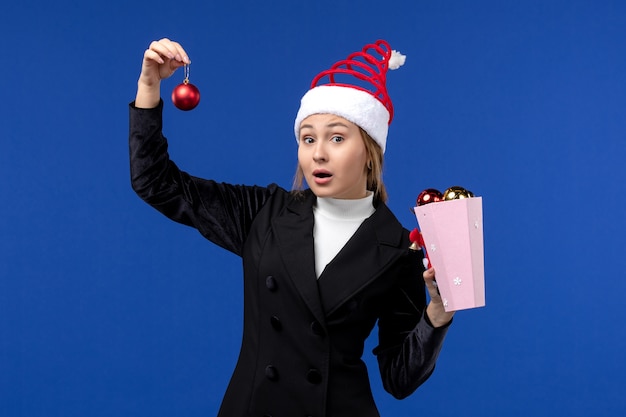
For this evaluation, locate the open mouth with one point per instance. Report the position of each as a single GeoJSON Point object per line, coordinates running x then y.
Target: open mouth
{"type": "Point", "coordinates": [322, 175]}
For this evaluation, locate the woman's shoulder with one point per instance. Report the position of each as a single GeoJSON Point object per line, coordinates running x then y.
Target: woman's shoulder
{"type": "Point", "coordinates": [293, 199]}
{"type": "Point", "coordinates": [389, 227]}
{"type": "Point", "coordinates": [277, 196]}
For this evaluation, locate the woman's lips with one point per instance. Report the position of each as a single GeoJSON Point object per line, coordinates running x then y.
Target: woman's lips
{"type": "Point", "coordinates": [321, 176]}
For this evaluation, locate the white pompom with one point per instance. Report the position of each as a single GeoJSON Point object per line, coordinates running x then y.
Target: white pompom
{"type": "Point", "coordinates": [426, 265]}
{"type": "Point", "coordinates": [396, 60]}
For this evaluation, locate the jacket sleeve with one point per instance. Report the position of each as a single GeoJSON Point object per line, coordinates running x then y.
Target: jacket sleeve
{"type": "Point", "coordinates": [408, 344]}
{"type": "Point", "coordinates": [221, 212]}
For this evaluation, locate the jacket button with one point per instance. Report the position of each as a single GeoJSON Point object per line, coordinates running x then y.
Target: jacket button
{"type": "Point", "coordinates": [271, 373]}
{"type": "Point", "coordinates": [317, 329]}
{"type": "Point", "coordinates": [270, 283]}
{"type": "Point", "coordinates": [276, 324]}
{"type": "Point", "coordinates": [314, 376]}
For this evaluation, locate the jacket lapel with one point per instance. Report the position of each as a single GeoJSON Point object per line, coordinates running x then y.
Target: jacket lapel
{"type": "Point", "coordinates": [294, 230]}
{"type": "Point", "coordinates": [376, 244]}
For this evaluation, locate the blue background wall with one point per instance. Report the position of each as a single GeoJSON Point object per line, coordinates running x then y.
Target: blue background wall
{"type": "Point", "coordinates": [109, 309]}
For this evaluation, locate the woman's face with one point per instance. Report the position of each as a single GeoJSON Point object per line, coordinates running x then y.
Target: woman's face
{"type": "Point", "coordinates": [332, 156]}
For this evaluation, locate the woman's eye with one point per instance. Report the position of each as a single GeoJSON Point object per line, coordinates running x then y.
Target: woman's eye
{"type": "Point", "coordinates": [308, 140]}
{"type": "Point", "coordinates": [337, 139]}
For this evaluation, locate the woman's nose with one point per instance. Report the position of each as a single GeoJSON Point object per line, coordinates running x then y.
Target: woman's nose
{"type": "Point", "coordinates": [319, 153]}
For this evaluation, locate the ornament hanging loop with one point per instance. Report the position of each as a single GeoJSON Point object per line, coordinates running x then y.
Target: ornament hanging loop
{"type": "Point", "coordinates": [186, 80]}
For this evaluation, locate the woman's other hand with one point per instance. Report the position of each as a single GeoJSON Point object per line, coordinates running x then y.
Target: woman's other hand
{"type": "Point", "coordinates": [435, 310]}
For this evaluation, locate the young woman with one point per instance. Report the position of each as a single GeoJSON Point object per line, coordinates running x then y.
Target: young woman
{"type": "Point", "coordinates": [322, 265]}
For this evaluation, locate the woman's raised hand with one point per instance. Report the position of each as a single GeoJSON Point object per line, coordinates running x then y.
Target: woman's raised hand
{"type": "Point", "coordinates": [160, 61]}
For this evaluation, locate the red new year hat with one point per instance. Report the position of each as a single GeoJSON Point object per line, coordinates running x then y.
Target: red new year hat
{"type": "Point", "coordinates": [355, 89]}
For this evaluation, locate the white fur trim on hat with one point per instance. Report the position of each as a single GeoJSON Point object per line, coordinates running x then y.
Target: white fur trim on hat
{"type": "Point", "coordinates": [354, 105]}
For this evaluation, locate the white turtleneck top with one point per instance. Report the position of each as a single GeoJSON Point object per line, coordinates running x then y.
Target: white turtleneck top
{"type": "Point", "coordinates": [336, 221]}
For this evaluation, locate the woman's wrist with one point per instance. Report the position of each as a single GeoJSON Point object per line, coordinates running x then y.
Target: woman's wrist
{"type": "Point", "coordinates": [148, 96]}
{"type": "Point", "coordinates": [437, 315]}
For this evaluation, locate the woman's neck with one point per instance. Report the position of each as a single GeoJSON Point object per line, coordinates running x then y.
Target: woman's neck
{"type": "Point", "coordinates": [336, 208]}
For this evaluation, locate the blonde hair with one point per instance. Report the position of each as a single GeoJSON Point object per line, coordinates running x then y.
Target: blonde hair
{"type": "Point", "coordinates": [374, 170]}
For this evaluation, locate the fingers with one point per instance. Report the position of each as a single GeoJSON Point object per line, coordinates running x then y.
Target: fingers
{"type": "Point", "coordinates": [151, 55]}
{"type": "Point", "coordinates": [429, 275]}
{"type": "Point", "coordinates": [164, 49]}
{"type": "Point", "coordinates": [161, 60]}
{"type": "Point", "coordinates": [431, 284]}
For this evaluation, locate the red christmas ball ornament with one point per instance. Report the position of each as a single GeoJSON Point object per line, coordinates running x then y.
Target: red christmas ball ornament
{"type": "Point", "coordinates": [429, 195]}
{"type": "Point", "coordinates": [186, 96]}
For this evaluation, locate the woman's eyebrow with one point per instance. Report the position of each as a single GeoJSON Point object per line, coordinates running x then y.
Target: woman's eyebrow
{"type": "Point", "coordinates": [330, 125]}
{"type": "Point", "coordinates": [337, 124]}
